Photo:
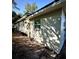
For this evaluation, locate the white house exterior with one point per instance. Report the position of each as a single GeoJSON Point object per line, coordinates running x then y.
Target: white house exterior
{"type": "Point", "coordinates": [46, 26]}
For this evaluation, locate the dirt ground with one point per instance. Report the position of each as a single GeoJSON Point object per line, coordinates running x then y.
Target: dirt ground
{"type": "Point", "coordinates": [26, 48]}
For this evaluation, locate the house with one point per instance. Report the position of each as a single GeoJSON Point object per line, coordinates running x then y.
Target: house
{"type": "Point", "coordinates": [46, 25]}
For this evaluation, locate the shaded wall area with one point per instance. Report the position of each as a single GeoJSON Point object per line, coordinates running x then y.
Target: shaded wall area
{"type": "Point", "coordinates": [50, 29]}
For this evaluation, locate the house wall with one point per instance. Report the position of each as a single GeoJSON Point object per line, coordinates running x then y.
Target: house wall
{"type": "Point", "coordinates": [27, 27]}
{"type": "Point", "coordinates": [50, 31]}
{"type": "Point", "coordinates": [24, 26]}
{"type": "Point", "coordinates": [50, 27]}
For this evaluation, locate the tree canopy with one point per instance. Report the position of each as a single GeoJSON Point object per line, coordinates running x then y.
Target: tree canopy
{"type": "Point", "coordinates": [30, 8]}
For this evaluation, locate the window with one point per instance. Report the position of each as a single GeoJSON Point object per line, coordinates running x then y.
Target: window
{"type": "Point", "coordinates": [37, 25]}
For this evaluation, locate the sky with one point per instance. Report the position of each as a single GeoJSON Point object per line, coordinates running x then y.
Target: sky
{"type": "Point", "coordinates": [21, 4]}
